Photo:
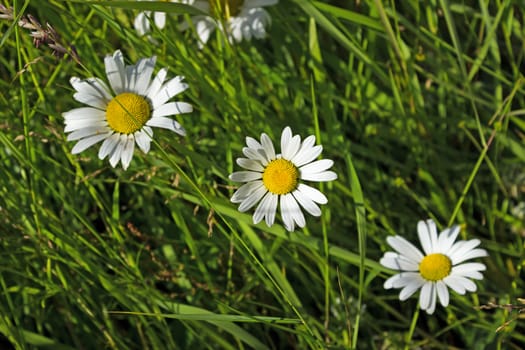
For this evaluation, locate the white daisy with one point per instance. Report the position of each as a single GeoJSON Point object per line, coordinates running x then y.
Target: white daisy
{"type": "Point", "coordinates": [272, 178]}
{"type": "Point", "coordinates": [125, 114]}
{"type": "Point", "coordinates": [237, 19]}
{"type": "Point", "coordinates": [440, 267]}
{"type": "Point", "coordinates": [142, 22]}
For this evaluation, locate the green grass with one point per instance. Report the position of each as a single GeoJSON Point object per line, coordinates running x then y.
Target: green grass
{"type": "Point", "coordinates": [419, 104]}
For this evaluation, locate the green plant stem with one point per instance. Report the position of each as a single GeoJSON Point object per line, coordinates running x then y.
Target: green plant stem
{"type": "Point", "coordinates": [410, 333]}
{"type": "Point", "coordinates": [361, 234]}
{"type": "Point", "coordinates": [502, 111]}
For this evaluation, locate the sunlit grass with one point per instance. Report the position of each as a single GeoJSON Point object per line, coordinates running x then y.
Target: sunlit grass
{"type": "Point", "coordinates": [419, 104]}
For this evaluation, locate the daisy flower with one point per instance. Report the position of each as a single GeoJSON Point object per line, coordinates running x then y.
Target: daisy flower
{"type": "Point", "coordinates": [237, 19]}
{"type": "Point", "coordinates": [440, 266]}
{"type": "Point", "coordinates": [124, 114]}
{"type": "Point", "coordinates": [142, 22]}
{"type": "Point", "coordinates": [271, 178]}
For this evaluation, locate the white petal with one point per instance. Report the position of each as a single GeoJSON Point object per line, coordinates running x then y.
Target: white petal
{"type": "Point", "coordinates": [166, 123]}
{"type": "Point", "coordinates": [148, 131]}
{"type": "Point", "coordinates": [116, 71]}
{"type": "Point", "coordinates": [463, 246]}
{"type": "Point", "coordinates": [411, 287]}
{"type": "Point", "coordinates": [90, 100]}
{"type": "Point", "coordinates": [143, 139]}
{"type": "Point", "coordinates": [312, 193]}
{"type": "Point", "coordinates": [272, 208]}
{"type": "Point", "coordinates": [267, 145]}
{"type": "Point", "coordinates": [256, 155]}
{"type": "Point", "coordinates": [432, 306]}
{"type": "Point", "coordinates": [319, 177]}
{"type": "Point", "coordinates": [91, 92]}
{"type": "Point", "coordinates": [474, 253]}
{"type": "Point", "coordinates": [141, 23]}
{"type": "Point", "coordinates": [127, 151]}
{"type": "Point", "coordinates": [86, 132]}
{"type": "Point", "coordinates": [91, 86]}
{"type": "Point", "coordinates": [160, 19]}
{"type": "Point", "coordinates": [402, 280]}
{"type": "Point", "coordinates": [308, 204]}
{"type": "Point", "coordinates": [258, 20]}
{"type": "Point", "coordinates": [316, 167]}
{"type": "Point", "coordinates": [246, 27]}
{"type": "Point", "coordinates": [84, 113]}
{"type": "Point", "coordinates": [117, 152]}
{"type": "Point", "coordinates": [470, 270]}
{"type": "Point", "coordinates": [108, 146]}
{"type": "Point", "coordinates": [308, 143]}
{"type": "Point", "coordinates": [398, 262]}
{"type": "Point", "coordinates": [245, 176]}
{"type": "Point", "coordinates": [266, 209]}
{"type": "Point", "coordinates": [73, 125]}
{"type": "Point", "coordinates": [235, 32]}
{"type": "Point", "coordinates": [260, 211]}
{"type": "Point", "coordinates": [245, 190]}
{"type": "Point", "coordinates": [286, 215]}
{"type": "Point", "coordinates": [286, 136]}
{"type": "Point", "coordinates": [464, 250]}
{"type": "Point", "coordinates": [204, 26]}
{"type": "Point", "coordinates": [291, 212]}
{"type": "Point", "coordinates": [427, 233]}
{"type": "Point", "coordinates": [306, 156]}
{"type": "Point", "coordinates": [470, 274]}
{"type": "Point", "coordinates": [290, 149]}
{"type": "Point", "coordinates": [469, 285]}
{"type": "Point", "coordinates": [156, 83]}
{"type": "Point", "coordinates": [250, 164]}
{"type": "Point", "coordinates": [88, 142]}
{"type": "Point", "coordinates": [173, 87]}
{"type": "Point", "coordinates": [446, 239]}
{"type": "Point", "coordinates": [389, 282]}
{"type": "Point", "coordinates": [460, 284]}
{"type": "Point", "coordinates": [140, 75]}
{"type": "Point", "coordinates": [442, 293]}
{"type": "Point", "coordinates": [253, 198]}
{"type": "Point", "coordinates": [172, 108]}
{"type": "Point", "coordinates": [427, 297]}
{"type": "Point", "coordinates": [405, 248]}
{"type": "Point", "coordinates": [253, 143]}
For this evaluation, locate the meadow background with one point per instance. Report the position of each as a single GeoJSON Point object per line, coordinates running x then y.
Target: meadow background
{"type": "Point", "coordinates": [419, 104]}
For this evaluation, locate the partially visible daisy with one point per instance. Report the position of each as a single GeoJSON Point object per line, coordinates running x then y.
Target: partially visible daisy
{"type": "Point", "coordinates": [142, 22]}
{"type": "Point", "coordinates": [237, 19]}
{"type": "Point", "coordinates": [440, 266]}
{"type": "Point", "coordinates": [124, 114]}
{"type": "Point", "coordinates": [271, 178]}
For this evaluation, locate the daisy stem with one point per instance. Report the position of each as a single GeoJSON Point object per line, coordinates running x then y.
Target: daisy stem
{"type": "Point", "coordinates": [412, 328]}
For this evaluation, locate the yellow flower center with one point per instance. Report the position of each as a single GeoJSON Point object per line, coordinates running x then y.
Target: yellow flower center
{"type": "Point", "coordinates": [435, 267]}
{"type": "Point", "coordinates": [127, 113]}
{"type": "Point", "coordinates": [280, 176]}
{"type": "Point", "coordinates": [225, 8]}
